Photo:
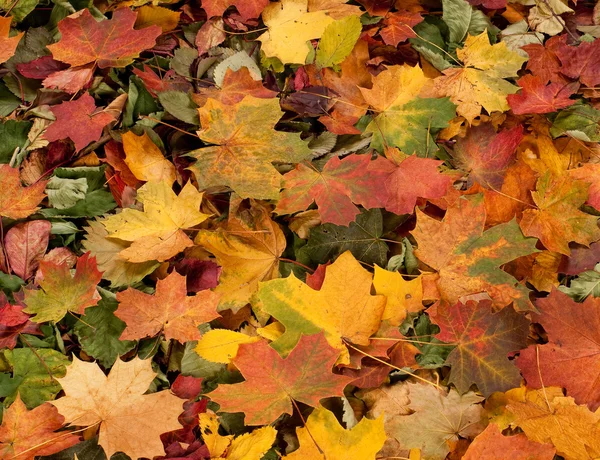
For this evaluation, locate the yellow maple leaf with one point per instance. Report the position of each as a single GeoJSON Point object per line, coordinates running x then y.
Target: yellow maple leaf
{"type": "Point", "coordinates": [402, 296]}
{"type": "Point", "coordinates": [343, 308]}
{"type": "Point", "coordinates": [221, 345]}
{"type": "Point", "coordinates": [546, 416]}
{"type": "Point", "coordinates": [405, 119]}
{"type": "Point", "coordinates": [116, 269]}
{"type": "Point", "coordinates": [247, 247]}
{"type": "Point", "coordinates": [246, 145]}
{"type": "Point", "coordinates": [157, 232]}
{"type": "Point", "coordinates": [145, 160]}
{"type": "Point", "coordinates": [130, 421]}
{"type": "Point", "coordinates": [480, 83]}
{"type": "Point", "coordinates": [292, 23]}
{"type": "Point", "coordinates": [249, 446]}
{"type": "Point", "coordinates": [323, 438]}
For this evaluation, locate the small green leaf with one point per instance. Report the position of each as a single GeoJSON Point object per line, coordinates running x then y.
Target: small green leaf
{"type": "Point", "coordinates": [99, 331]}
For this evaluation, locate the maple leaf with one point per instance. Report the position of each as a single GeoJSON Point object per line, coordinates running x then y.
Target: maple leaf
{"type": "Point", "coordinates": [110, 43]}
{"type": "Point", "coordinates": [235, 87]}
{"type": "Point", "coordinates": [249, 446]}
{"type": "Point", "coordinates": [543, 59]}
{"type": "Point", "coordinates": [404, 119]}
{"type": "Point", "coordinates": [169, 81]}
{"type": "Point", "coordinates": [245, 147]}
{"type": "Point", "coordinates": [323, 438]}
{"type": "Point", "coordinates": [272, 381]}
{"type": "Point", "coordinates": [537, 97]}
{"type": "Point", "coordinates": [60, 292]}
{"type": "Point", "coordinates": [248, 248]}
{"type": "Point", "coordinates": [492, 444]}
{"type": "Point", "coordinates": [546, 416]}
{"type": "Point", "coordinates": [342, 314]}
{"type": "Point", "coordinates": [410, 178]}
{"type": "Point", "coordinates": [590, 173]}
{"type": "Point", "coordinates": [221, 345]}
{"type": "Point", "coordinates": [483, 342]}
{"type": "Point", "coordinates": [8, 45]}
{"type": "Point", "coordinates": [157, 232]}
{"type": "Point", "coordinates": [118, 270]}
{"type": "Point", "coordinates": [130, 421]}
{"type": "Point", "coordinates": [403, 296]}
{"type": "Point", "coordinates": [468, 258]}
{"type": "Point", "coordinates": [28, 434]}
{"type": "Point", "coordinates": [582, 62]}
{"type": "Point", "coordinates": [485, 155]}
{"type": "Point", "coordinates": [558, 220]}
{"type": "Point", "coordinates": [88, 126]}
{"type": "Point", "coordinates": [290, 25]}
{"type": "Point", "coordinates": [572, 354]}
{"type": "Point", "coordinates": [169, 310]}
{"type": "Point", "coordinates": [13, 322]}
{"type": "Point", "coordinates": [16, 201]}
{"type": "Point", "coordinates": [248, 9]}
{"type": "Point", "coordinates": [334, 189]}
{"type": "Point", "coordinates": [145, 160]}
{"type": "Point", "coordinates": [435, 418]}
{"type": "Point", "coordinates": [398, 27]}
{"type": "Point", "coordinates": [481, 82]}
{"type": "Point", "coordinates": [25, 245]}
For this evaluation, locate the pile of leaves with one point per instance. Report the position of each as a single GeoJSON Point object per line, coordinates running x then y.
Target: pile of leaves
{"type": "Point", "coordinates": [300, 229]}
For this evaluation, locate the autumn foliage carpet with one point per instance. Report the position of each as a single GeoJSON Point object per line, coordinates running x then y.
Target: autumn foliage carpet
{"type": "Point", "coordinates": [299, 229]}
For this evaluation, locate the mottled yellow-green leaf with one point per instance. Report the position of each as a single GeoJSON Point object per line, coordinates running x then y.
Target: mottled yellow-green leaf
{"type": "Point", "coordinates": [245, 146]}
{"type": "Point", "coordinates": [337, 41]}
{"type": "Point", "coordinates": [343, 308]}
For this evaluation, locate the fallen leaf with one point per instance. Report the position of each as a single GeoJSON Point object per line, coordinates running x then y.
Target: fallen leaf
{"type": "Point", "coordinates": [323, 437]}
{"type": "Point", "coordinates": [157, 232]}
{"type": "Point", "coordinates": [77, 120]}
{"type": "Point", "coordinates": [16, 201]}
{"type": "Point", "coordinates": [483, 342]}
{"type": "Point", "coordinates": [145, 160]}
{"type": "Point", "coordinates": [492, 444]}
{"type": "Point", "coordinates": [334, 189]}
{"type": "Point", "coordinates": [249, 446]}
{"type": "Point", "coordinates": [480, 83]}
{"type": "Point", "coordinates": [558, 220]}
{"type": "Point", "coordinates": [28, 434]}
{"type": "Point", "coordinates": [62, 292]}
{"type": "Point", "coordinates": [467, 258]}
{"type": "Point", "coordinates": [8, 45]}
{"type": "Point", "coordinates": [404, 119]}
{"type": "Point", "coordinates": [25, 245]}
{"type": "Point", "coordinates": [113, 402]}
{"type": "Point", "coordinates": [169, 311]}
{"type": "Point", "coordinates": [351, 315]}
{"type": "Point", "coordinates": [572, 353]}
{"type": "Point", "coordinates": [272, 382]}
{"type": "Point", "coordinates": [248, 248]}
{"type": "Point", "coordinates": [245, 146]}
{"type": "Point", "coordinates": [110, 43]}
{"type": "Point", "coordinates": [403, 296]}
{"type": "Point", "coordinates": [546, 416]}
{"type": "Point", "coordinates": [485, 155]}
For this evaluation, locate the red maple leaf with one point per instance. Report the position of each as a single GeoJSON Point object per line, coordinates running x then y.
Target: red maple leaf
{"type": "Point", "coordinates": [110, 43]}
{"type": "Point", "coordinates": [537, 97]}
{"type": "Point", "coordinates": [272, 381]}
{"type": "Point", "coordinates": [571, 358]}
{"type": "Point", "coordinates": [79, 121]}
